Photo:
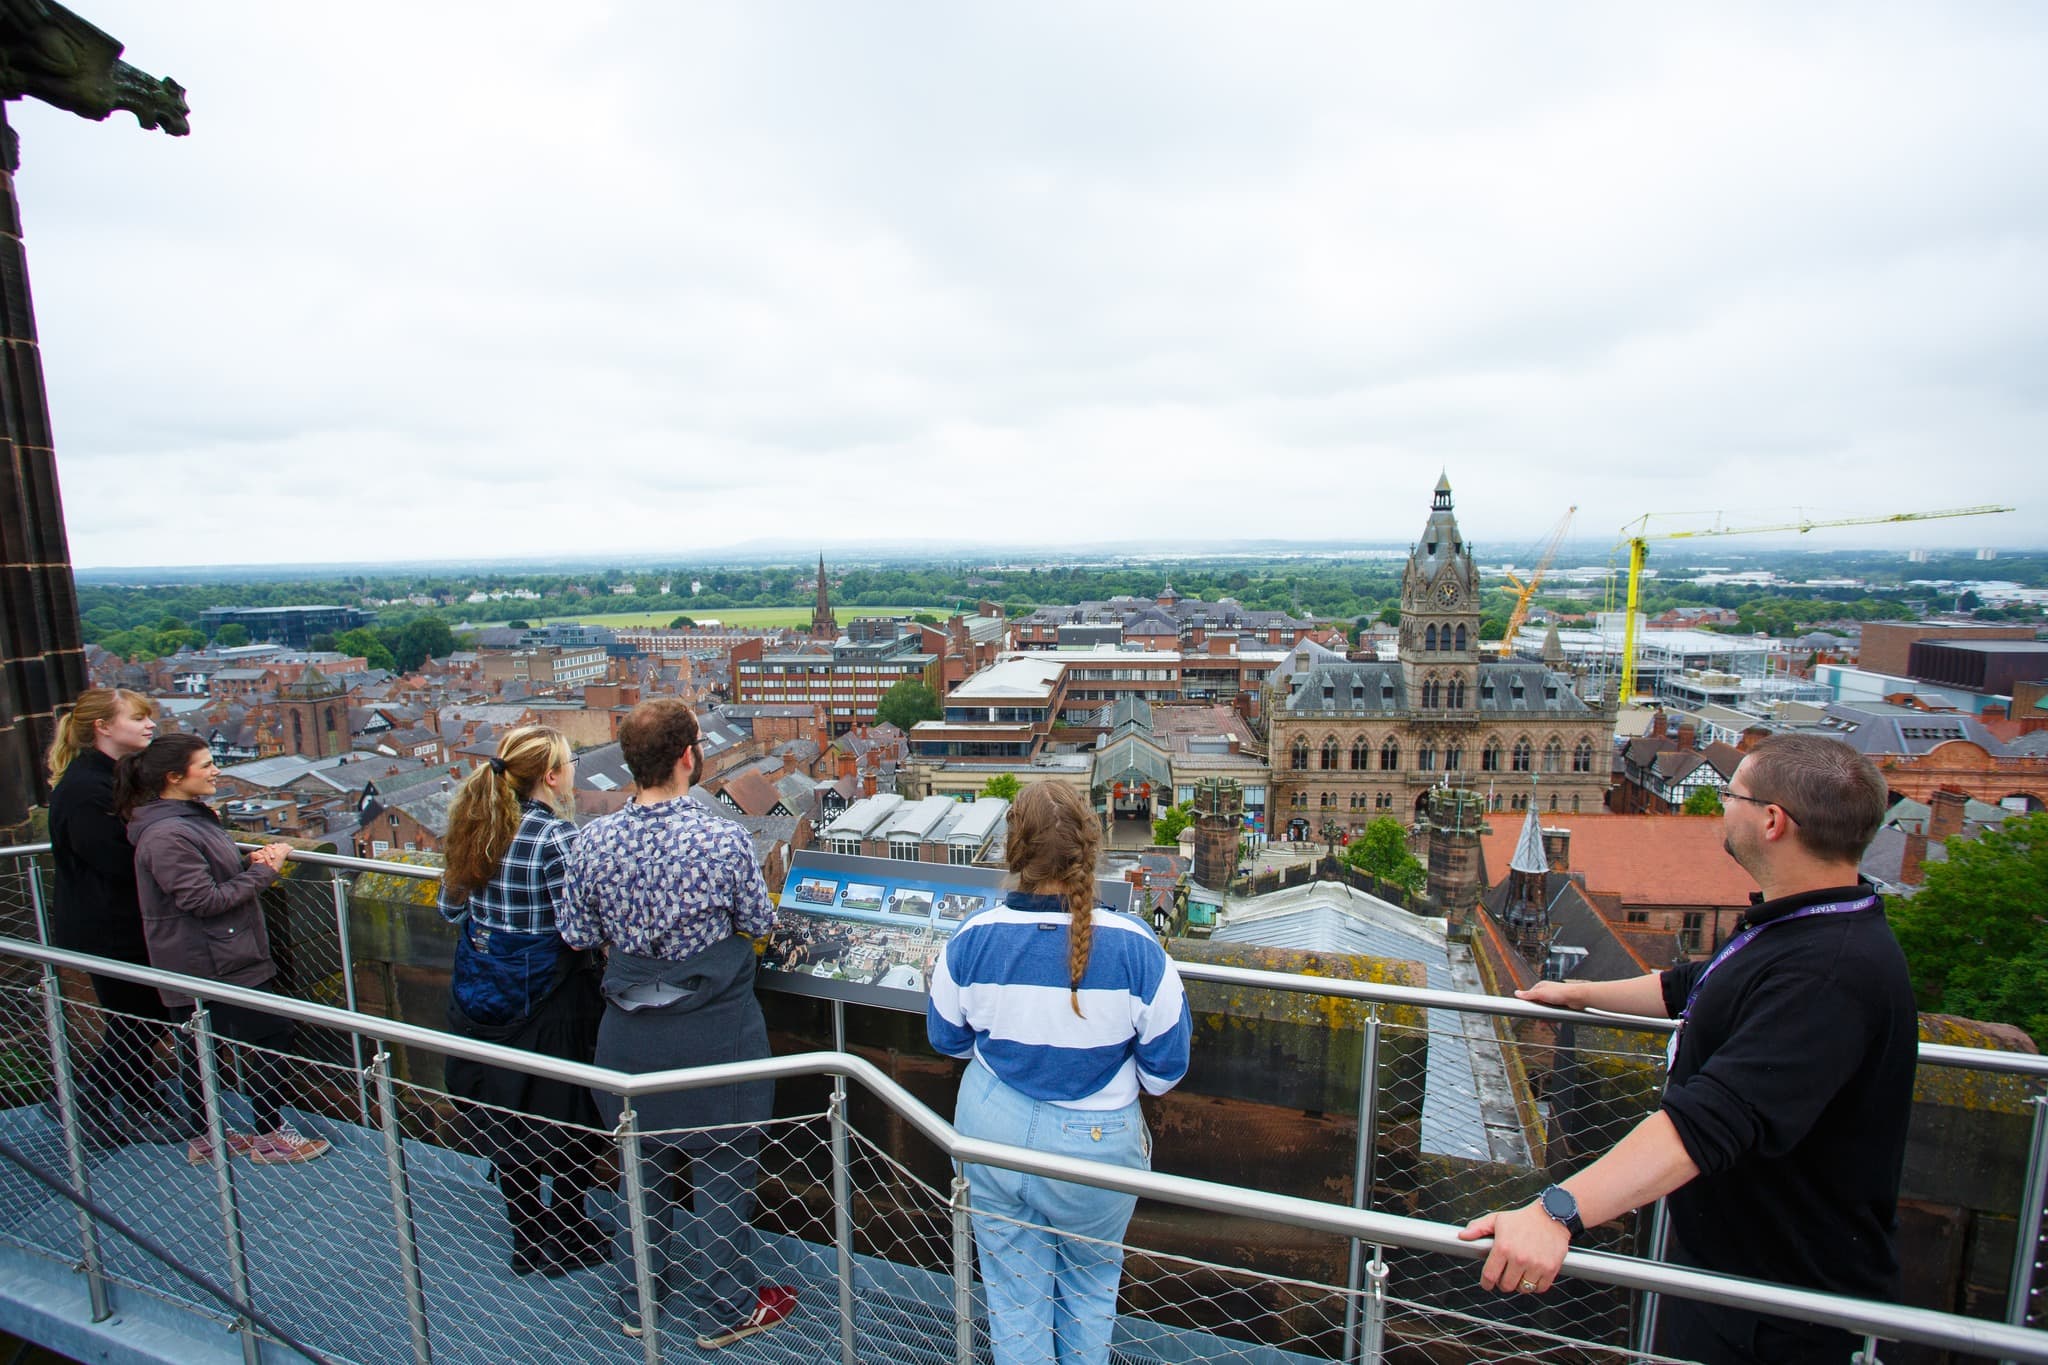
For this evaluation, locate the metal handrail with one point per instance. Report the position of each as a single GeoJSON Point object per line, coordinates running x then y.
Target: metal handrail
{"type": "Point", "coordinates": [1366, 992]}
{"type": "Point", "coordinates": [1890, 1322]}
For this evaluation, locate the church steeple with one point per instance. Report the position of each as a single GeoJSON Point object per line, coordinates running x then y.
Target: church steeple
{"type": "Point", "coordinates": [824, 626]}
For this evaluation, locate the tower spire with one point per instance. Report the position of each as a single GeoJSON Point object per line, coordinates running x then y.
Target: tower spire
{"type": "Point", "coordinates": [823, 625]}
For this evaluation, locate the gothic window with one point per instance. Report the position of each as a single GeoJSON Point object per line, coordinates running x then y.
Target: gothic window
{"type": "Point", "coordinates": [1329, 756]}
{"type": "Point", "coordinates": [1390, 757]}
{"type": "Point", "coordinates": [1553, 800]}
{"type": "Point", "coordinates": [1383, 802]}
{"type": "Point", "coordinates": [1461, 639]}
{"type": "Point", "coordinates": [1323, 802]}
{"type": "Point", "coordinates": [1582, 757]}
{"type": "Point", "coordinates": [1521, 802]}
{"type": "Point", "coordinates": [1489, 757]}
{"type": "Point", "coordinates": [298, 730]}
{"type": "Point", "coordinates": [1522, 756]}
{"type": "Point", "coordinates": [1553, 756]}
{"type": "Point", "coordinates": [1297, 757]}
{"type": "Point", "coordinates": [1454, 758]}
{"type": "Point", "coordinates": [1457, 698]}
{"type": "Point", "coordinates": [1429, 639]}
{"type": "Point", "coordinates": [1361, 754]}
{"type": "Point", "coordinates": [1432, 694]}
{"type": "Point", "coordinates": [1575, 803]}
{"type": "Point", "coordinates": [1425, 758]}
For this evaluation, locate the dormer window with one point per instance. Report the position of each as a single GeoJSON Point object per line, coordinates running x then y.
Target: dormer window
{"type": "Point", "coordinates": [1550, 691]}
{"type": "Point", "coordinates": [1486, 689]}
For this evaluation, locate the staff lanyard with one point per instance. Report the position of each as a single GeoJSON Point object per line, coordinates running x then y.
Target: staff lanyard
{"type": "Point", "coordinates": [1743, 940]}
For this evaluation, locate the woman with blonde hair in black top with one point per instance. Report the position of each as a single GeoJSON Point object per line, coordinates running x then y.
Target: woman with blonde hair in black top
{"type": "Point", "coordinates": [515, 983]}
{"type": "Point", "coordinates": [93, 909]}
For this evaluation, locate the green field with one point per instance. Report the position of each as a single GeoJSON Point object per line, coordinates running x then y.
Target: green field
{"type": "Point", "coordinates": [739, 616]}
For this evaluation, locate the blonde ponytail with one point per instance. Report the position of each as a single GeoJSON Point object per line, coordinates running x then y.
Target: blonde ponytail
{"type": "Point", "coordinates": [484, 815]}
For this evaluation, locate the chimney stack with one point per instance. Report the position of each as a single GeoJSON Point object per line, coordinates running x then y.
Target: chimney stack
{"type": "Point", "coordinates": [1914, 857]}
{"type": "Point", "coordinates": [1945, 815]}
{"type": "Point", "coordinates": [1557, 849]}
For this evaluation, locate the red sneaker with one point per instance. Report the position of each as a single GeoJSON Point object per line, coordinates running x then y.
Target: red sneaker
{"type": "Point", "coordinates": [285, 1147]}
{"type": "Point", "coordinates": [772, 1304]}
{"type": "Point", "coordinates": [199, 1151]}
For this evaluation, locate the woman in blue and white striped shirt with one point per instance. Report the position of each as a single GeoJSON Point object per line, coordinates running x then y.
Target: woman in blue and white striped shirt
{"type": "Point", "coordinates": [1067, 1010]}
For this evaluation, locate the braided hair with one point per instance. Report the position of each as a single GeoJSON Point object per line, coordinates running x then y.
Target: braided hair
{"type": "Point", "coordinates": [1053, 843]}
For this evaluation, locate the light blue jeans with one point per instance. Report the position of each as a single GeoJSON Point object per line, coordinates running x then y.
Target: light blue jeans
{"type": "Point", "coordinates": [1050, 1297]}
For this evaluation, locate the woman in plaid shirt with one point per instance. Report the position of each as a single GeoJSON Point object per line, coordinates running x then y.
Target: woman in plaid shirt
{"type": "Point", "coordinates": [517, 984]}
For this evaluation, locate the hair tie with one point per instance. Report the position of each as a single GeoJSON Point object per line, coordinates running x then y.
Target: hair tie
{"type": "Point", "coordinates": [497, 765]}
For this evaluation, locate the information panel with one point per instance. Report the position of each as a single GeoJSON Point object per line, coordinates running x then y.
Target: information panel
{"type": "Point", "coordinates": [868, 930]}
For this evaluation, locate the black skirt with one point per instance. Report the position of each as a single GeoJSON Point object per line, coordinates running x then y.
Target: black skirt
{"type": "Point", "coordinates": [514, 1118]}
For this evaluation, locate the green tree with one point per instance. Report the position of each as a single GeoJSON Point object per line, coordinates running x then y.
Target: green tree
{"type": "Point", "coordinates": [420, 639]}
{"type": "Point", "coordinates": [516, 624]}
{"type": "Point", "coordinates": [681, 623]}
{"type": "Point", "coordinates": [1390, 616]}
{"type": "Point", "coordinates": [1702, 801]}
{"type": "Point", "coordinates": [1382, 850]}
{"type": "Point", "coordinates": [1973, 937]}
{"type": "Point", "coordinates": [364, 642]}
{"type": "Point", "coordinates": [907, 703]}
{"type": "Point", "coordinates": [232, 634]}
{"type": "Point", "coordinates": [1002, 785]}
{"type": "Point", "coordinates": [1172, 822]}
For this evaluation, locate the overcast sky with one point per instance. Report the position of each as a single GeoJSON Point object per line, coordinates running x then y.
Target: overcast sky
{"type": "Point", "coordinates": [440, 280]}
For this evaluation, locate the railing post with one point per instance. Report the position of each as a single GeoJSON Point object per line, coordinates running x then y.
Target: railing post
{"type": "Point", "coordinates": [963, 1275]}
{"type": "Point", "coordinates": [401, 1213]}
{"type": "Point", "coordinates": [1660, 1234]}
{"type": "Point", "coordinates": [1362, 1168]}
{"type": "Point", "coordinates": [1866, 1356]}
{"type": "Point", "coordinates": [842, 1195]}
{"type": "Point", "coordinates": [2026, 1231]}
{"type": "Point", "coordinates": [35, 900]}
{"type": "Point", "coordinates": [348, 994]}
{"type": "Point", "coordinates": [1373, 1338]}
{"type": "Point", "coordinates": [636, 1222]}
{"type": "Point", "coordinates": [201, 1026]}
{"type": "Point", "coordinates": [65, 1095]}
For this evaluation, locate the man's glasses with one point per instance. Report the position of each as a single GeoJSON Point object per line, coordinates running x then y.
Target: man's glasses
{"type": "Point", "coordinates": [1759, 801]}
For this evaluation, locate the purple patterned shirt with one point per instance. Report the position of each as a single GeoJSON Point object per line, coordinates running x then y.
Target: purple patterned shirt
{"type": "Point", "coordinates": [667, 881]}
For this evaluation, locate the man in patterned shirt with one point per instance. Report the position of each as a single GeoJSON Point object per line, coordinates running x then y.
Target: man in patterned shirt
{"type": "Point", "coordinates": [672, 891]}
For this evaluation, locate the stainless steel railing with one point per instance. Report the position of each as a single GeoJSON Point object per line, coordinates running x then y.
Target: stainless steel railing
{"type": "Point", "coordinates": [1375, 996]}
{"type": "Point", "coordinates": [1875, 1321]}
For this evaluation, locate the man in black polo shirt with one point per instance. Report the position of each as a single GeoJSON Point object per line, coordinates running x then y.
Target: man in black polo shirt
{"type": "Point", "coordinates": [1783, 1125]}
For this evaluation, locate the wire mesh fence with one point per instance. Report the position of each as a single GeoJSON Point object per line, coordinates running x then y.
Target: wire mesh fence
{"type": "Point", "coordinates": [1500, 1109]}
{"type": "Point", "coordinates": [1476, 1113]}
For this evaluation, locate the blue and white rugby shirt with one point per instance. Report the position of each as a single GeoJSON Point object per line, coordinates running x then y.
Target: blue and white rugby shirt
{"type": "Point", "coordinates": [1000, 994]}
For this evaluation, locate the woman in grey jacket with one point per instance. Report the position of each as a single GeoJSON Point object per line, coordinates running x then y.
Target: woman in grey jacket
{"type": "Point", "coordinates": [202, 916]}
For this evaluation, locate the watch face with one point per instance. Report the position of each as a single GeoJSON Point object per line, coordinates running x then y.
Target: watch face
{"type": "Point", "coordinates": [1447, 593]}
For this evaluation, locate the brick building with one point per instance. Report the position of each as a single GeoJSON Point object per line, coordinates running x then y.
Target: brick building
{"type": "Point", "coordinates": [554, 669]}
{"type": "Point", "coordinates": [1887, 646]}
{"type": "Point", "coordinates": [849, 679]}
{"type": "Point", "coordinates": [1351, 740]}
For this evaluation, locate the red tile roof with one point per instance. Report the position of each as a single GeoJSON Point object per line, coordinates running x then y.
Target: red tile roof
{"type": "Point", "coordinates": [1647, 860]}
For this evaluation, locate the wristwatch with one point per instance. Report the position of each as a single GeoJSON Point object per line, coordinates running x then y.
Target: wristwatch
{"type": "Point", "coordinates": [1557, 1201]}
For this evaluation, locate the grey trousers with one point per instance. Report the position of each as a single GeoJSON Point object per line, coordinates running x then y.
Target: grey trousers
{"type": "Point", "coordinates": [700, 1234]}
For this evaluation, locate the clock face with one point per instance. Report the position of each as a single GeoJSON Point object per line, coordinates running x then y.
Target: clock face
{"type": "Point", "coordinates": [1447, 593]}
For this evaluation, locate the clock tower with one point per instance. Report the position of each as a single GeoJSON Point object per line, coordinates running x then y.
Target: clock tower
{"type": "Point", "coordinates": [1440, 614]}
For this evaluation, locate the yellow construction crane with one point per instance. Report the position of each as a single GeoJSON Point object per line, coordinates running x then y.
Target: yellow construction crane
{"type": "Point", "coordinates": [1525, 593]}
{"type": "Point", "coordinates": [1639, 547]}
